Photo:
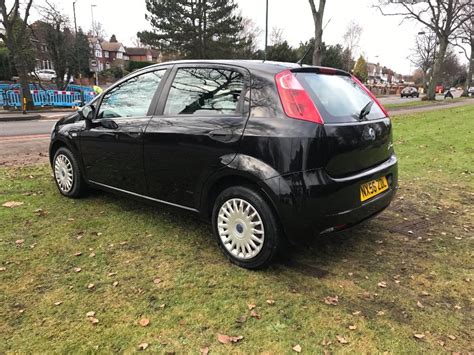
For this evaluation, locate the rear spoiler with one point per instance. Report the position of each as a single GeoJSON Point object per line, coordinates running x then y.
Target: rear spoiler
{"type": "Point", "coordinates": [321, 70]}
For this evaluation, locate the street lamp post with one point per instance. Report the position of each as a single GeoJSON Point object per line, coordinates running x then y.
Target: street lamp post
{"type": "Point", "coordinates": [94, 34]}
{"type": "Point", "coordinates": [266, 30]}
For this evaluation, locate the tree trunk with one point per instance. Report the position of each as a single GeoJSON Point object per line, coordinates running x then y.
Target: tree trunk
{"type": "Point", "coordinates": [318, 39]}
{"type": "Point", "coordinates": [436, 72]}
{"type": "Point", "coordinates": [24, 82]}
{"type": "Point", "coordinates": [470, 72]}
{"type": "Point", "coordinates": [318, 15]}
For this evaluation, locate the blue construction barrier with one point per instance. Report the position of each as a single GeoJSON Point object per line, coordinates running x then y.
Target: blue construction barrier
{"type": "Point", "coordinates": [11, 97]}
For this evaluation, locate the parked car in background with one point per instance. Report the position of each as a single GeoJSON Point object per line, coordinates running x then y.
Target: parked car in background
{"type": "Point", "coordinates": [44, 74]}
{"type": "Point", "coordinates": [268, 152]}
{"type": "Point", "coordinates": [470, 91]}
{"type": "Point", "coordinates": [409, 91]}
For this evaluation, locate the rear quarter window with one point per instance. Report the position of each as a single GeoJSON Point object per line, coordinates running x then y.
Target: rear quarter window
{"type": "Point", "coordinates": [338, 98]}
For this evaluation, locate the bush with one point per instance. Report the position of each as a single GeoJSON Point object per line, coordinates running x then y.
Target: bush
{"type": "Point", "coordinates": [133, 65]}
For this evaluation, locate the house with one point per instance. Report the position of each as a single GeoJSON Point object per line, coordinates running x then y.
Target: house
{"type": "Point", "coordinates": [113, 54]}
{"type": "Point", "coordinates": [43, 59]}
{"type": "Point", "coordinates": [143, 54]}
{"type": "Point", "coordinates": [139, 54]}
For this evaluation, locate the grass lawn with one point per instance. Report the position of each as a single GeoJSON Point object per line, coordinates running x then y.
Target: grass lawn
{"type": "Point", "coordinates": [401, 283]}
{"type": "Point", "coordinates": [410, 104]}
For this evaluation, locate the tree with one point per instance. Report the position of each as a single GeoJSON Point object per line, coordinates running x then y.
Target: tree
{"type": "Point", "coordinates": [423, 54]}
{"type": "Point", "coordinates": [333, 56]}
{"type": "Point", "coordinates": [351, 41]}
{"type": "Point", "coordinates": [443, 17]}
{"type": "Point", "coordinates": [198, 29]}
{"type": "Point", "coordinates": [318, 15]}
{"type": "Point", "coordinates": [360, 69]}
{"type": "Point", "coordinates": [17, 37]}
{"type": "Point", "coordinates": [113, 39]}
{"type": "Point", "coordinates": [54, 29]}
{"type": "Point", "coordinates": [282, 52]}
{"type": "Point", "coordinates": [7, 69]}
{"type": "Point", "coordinates": [465, 36]}
{"type": "Point", "coordinates": [250, 33]}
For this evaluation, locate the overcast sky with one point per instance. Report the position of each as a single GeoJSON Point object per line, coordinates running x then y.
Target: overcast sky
{"type": "Point", "coordinates": [384, 39]}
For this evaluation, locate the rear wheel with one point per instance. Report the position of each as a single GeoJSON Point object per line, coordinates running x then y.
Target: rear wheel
{"type": "Point", "coordinates": [245, 227]}
{"type": "Point", "coordinates": [67, 174]}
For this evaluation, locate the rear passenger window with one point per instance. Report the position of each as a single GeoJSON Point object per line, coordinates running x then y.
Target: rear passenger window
{"type": "Point", "coordinates": [205, 91]}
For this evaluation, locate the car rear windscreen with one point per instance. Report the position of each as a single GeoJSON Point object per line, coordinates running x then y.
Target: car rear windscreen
{"type": "Point", "coordinates": [338, 98]}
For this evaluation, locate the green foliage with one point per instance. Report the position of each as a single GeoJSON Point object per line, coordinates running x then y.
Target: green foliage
{"type": "Point", "coordinates": [332, 56]}
{"type": "Point", "coordinates": [282, 52]}
{"type": "Point", "coordinates": [135, 65]}
{"type": "Point", "coordinates": [200, 29]}
{"type": "Point", "coordinates": [114, 73]}
{"type": "Point", "coordinates": [360, 69]}
{"type": "Point", "coordinates": [79, 63]}
{"type": "Point", "coordinates": [7, 69]}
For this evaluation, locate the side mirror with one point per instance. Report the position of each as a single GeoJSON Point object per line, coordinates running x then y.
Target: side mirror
{"type": "Point", "coordinates": [88, 112]}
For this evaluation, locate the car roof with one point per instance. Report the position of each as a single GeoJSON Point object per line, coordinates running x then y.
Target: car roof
{"type": "Point", "coordinates": [252, 65]}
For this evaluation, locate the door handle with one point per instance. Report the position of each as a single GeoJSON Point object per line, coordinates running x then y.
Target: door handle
{"type": "Point", "coordinates": [222, 135]}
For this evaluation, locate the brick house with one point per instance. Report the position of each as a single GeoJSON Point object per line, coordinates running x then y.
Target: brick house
{"type": "Point", "coordinates": [143, 54]}
{"type": "Point", "coordinates": [43, 59]}
{"type": "Point", "coordinates": [113, 54]}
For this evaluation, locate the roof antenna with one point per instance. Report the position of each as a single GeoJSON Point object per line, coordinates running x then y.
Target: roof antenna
{"type": "Point", "coordinates": [300, 62]}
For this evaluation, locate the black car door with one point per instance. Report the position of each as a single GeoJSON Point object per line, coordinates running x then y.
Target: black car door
{"type": "Point", "coordinates": [197, 130]}
{"type": "Point", "coordinates": [112, 145]}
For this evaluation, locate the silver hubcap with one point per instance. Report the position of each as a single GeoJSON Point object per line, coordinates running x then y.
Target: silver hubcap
{"type": "Point", "coordinates": [63, 173]}
{"type": "Point", "coordinates": [240, 228]}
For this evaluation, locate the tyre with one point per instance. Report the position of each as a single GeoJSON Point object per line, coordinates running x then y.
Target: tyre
{"type": "Point", "coordinates": [67, 174]}
{"type": "Point", "coordinates": [245, 227]}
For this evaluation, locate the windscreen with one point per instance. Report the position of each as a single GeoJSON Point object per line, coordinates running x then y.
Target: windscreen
{"type": "Point", "coordinates": [338, 98]}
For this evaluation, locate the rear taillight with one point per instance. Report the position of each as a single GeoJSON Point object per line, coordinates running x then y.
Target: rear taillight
{"type": "Point", "coordinates": [372, 96]}
{"type": "Point", "coordinates": [295, 100]}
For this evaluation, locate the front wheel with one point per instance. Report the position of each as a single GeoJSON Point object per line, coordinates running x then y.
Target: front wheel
{"type": "Point", "coordinates": [67, 174]}
{"type": "Point", "coordinates": [245, 227]}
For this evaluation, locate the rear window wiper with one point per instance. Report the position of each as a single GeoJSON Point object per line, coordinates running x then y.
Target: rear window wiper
{"type": "Point", "coordinates": [366, 110]}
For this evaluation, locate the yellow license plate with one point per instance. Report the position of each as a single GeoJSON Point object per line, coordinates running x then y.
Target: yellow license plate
{"type": "Point", "coordinates": [373, 188]}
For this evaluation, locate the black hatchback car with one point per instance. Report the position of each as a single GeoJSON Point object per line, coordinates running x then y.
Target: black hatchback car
{"type": "Point", "coordinates": [269, 152]}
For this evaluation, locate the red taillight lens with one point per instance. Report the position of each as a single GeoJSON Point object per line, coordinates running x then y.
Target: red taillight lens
{"type": "Point", "coordinates": [296, 101]}
{"type": "Point", "coordinates": [372, 96]}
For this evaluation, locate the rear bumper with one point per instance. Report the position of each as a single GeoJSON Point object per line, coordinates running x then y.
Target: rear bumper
{"type": "Point", "coordinates": [312, 202]}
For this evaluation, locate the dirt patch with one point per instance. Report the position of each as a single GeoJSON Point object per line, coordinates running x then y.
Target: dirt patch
{"type": "Point", "coordinates": [23, 152]}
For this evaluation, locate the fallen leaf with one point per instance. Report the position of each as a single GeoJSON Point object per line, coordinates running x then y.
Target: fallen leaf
{"type": "Point", "coordinates": [19, 241]}
{"type": "Point", "coordinates": [326, 342]}
{"type": "Point", "coordinates": [90, 314]}
{"type": "Point", "coordinates": [331, 300]}
{"type": "Point", "coordinates": [356, 313]}
{"type": "Point", "coordinates": [3, 268]}
{"type": "Point", "coordinates": [419, 304]}
{"type": "Point", "coordinates": [457, 307]}
{"type": "Point", "coordinates": [352, 327]}
{"type": "Point", "coordinates": [425, 293]}
{"type": "Point", "coordinates": [271, 302]}
{"type": "Point", "coordinates": [144, 322]}
{"type": "Point", "coordinates": [91, 255]}
{"type": "Point", "coordinates": [382, 284]}
{"type": "Point", "coordinates": [115, 284]}
{"type": "Point", "coordinates": [78, 253]}
{"type": "Point", "coordinates": [110, 274]}
{"type": "Point", "coordinates": [341, 339]}
{"type": "Point", "coordinates": [143, 346]}
{"type": "Point", "coordinates": [452, 337]}
{"type": "Point", "coordinates": [58, 303]}
{"type": "Point", "coordinates": [297, 348]}
{"type": "Point", "coordinates": [254, 314]}
{"type": "Point", "coordinates": [419, 335]}
{"type": "Point", "coordinates": [380, 313]}
{"type": "Point", "coordinates": [77, 269]}
{"type": "Point", "coordinates": [94, 320]}
{"type": "Point", "coordinates": [90, 286]}
{"type": "Point", "coordinates": [157, 281]}
{"type": "Point", "coordinates": [204, 351]}
{"type": "Point", "coordinates": [251, 306]}
{"type": "Point", "coordinates": [225, 339]}
{"type": "Point", "coordinates": [12, 204]}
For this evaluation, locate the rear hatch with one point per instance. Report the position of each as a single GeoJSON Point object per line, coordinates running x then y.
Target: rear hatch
{"type": "Point", "coordinates": [356, 127]}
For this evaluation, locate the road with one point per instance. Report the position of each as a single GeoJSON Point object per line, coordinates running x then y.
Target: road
{"type": "Point", "coordinates": [26, 128]}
